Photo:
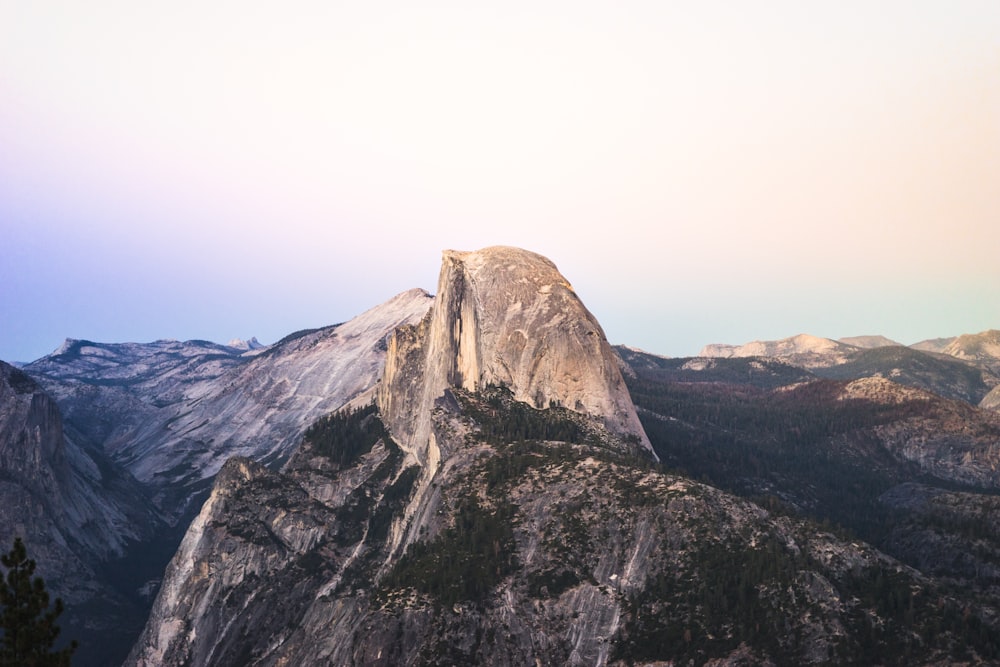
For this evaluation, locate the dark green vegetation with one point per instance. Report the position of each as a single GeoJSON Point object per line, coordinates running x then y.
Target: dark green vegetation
{"type": "Point", "coordinates": [470, 558]}
{"type": "Point", "coordinates": [503, 420]}
{"type": "Point", "coordinates": [804, 451]}
{"type": "Point", "coordinates": [466, 562]}
{"type": "Point", "coordinates": [801, 448]}
{"type": "Point", "coordinates": [28, 623]}
{"type": "Point", "coordinates": [346, 435]}
{"type": "Point", "coordinates": [943, 375]}
{"type": "Point", "coordinates": [725, 595]}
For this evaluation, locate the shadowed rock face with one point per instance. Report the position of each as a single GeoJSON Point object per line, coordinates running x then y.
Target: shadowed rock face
{"type": "Point", "coordinates": [75, 511]}
{"type": "Point", "coordinates": [503, 316]}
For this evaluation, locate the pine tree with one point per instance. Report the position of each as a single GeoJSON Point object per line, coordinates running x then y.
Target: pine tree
{"type": "Point", "coordinates": [29, 626]}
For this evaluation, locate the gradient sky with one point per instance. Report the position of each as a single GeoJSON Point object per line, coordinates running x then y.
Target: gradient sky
{"type": "Point", "coordinates": [701, 172]}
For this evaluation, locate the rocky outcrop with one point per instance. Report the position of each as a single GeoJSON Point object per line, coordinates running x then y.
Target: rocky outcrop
{"type": "Point", "coordinates": [964, 368]}
{"type": "Point", "coordinates": [982, 348]}
{"type": "Point", "coordinates": [948, 439]}
{"type": "Point", "coordinates": [503, 316]}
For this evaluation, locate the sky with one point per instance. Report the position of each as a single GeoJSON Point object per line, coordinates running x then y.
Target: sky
{"type": "Point", "coordinates": [701, 172]}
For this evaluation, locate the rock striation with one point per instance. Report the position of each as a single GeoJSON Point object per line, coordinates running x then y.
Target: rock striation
{"type": "Point", "coordinates": [503, 316]}
{"type": "Point", "coordinates": [173, 412]}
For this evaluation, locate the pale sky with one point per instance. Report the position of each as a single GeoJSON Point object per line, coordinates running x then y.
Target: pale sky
{"type": "Point", "coordinates": [701, 172]}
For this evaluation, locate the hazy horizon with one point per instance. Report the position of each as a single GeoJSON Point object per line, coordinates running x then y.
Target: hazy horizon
{"type": "Point", "coordinates": [715, 173]}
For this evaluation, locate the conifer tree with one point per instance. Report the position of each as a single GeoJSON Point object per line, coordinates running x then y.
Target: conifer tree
{"type": "Point", "coordinates": [28, 624]}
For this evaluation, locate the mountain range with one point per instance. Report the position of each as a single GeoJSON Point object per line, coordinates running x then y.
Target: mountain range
{"type": "Point", "coordinates": [479, 477]}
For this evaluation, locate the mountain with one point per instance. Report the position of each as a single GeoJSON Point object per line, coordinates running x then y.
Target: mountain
{"type": "Point", "coordinates": [246, 345]}
{"type": "Point", "coordinates": [172, 412]}
{"type": "Point", "coordinates": [759, 372]}
{"type": "Point", "coordinates": [942, 374]}
{"type": "Point", "coordinates": [933, 344]}
{"type": "Point", "coordinates": [76, 511]}
{"type": "Point", "coordinates": [982, 348]}
{"type": "Point", "coordinates": [908, 471]}
{"type": "Point", "coordinates": [499, 503]}
{"type": "Point", "coordinates": [869, 342]}
{"type": "Point", "coordinates": [145, 428]}
{"type": "Point", "coordinates": [507, 317]}
{"type": "Point", "coordinates": [802, 350]}
{"type": "Point", "coordinates": [964, 368]}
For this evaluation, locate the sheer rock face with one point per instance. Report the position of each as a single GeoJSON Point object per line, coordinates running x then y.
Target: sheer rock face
{"type": "Point", "coordinates": [503, 316]}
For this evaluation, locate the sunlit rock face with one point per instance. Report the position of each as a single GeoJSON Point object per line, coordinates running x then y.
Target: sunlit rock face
{"type": "Point", "coordinates": [503, 316]}
{"type": "Point", "coordinates": [991, 400]}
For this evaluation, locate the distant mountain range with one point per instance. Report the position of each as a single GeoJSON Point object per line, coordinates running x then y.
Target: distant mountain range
{"type": "Point", "coordinates": [966, 367]}
{"type": "Point", "coordinates": [478, 477]}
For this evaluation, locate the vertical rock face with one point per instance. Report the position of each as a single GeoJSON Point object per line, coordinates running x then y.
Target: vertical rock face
{"type": "Point", "coordinates": [503, 316]}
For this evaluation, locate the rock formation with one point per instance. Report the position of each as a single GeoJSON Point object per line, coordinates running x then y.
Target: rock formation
{"type": "Point", "coordinates": [503, 316]}
{"type": "Point", "coordinates": [497, 505]}
{"type": "Point", "coordinates": [173, 412]}
{"type": "Point", "coordinates": [75, 511]}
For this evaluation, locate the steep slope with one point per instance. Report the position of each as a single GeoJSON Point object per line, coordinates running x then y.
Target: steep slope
{"type": "Point", "coordinates": [536, 552]}
{"type": "Point", "coordinates": [75, 511]}
{"type": "Point", "coordinates": [172, 413]}
{"type": "Point", "coordinates": [260, 409]}
{"type": "Point", "coordinates": [515, 523]}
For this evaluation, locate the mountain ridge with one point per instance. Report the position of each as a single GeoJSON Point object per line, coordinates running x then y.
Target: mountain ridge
{"type": "Point", "coordinates": [460, 519]}
{"type": "Point", "coordinates": [483, 412]}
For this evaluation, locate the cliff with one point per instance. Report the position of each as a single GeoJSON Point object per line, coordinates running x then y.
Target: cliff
{"type": "Point", "coordinates": [503, 316]}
